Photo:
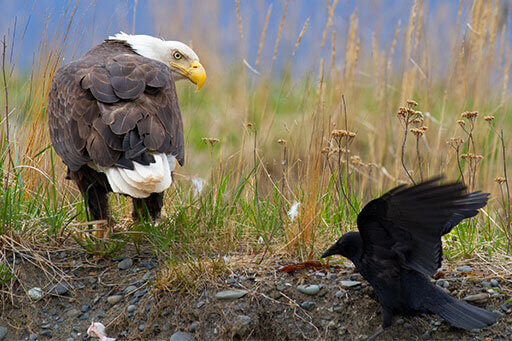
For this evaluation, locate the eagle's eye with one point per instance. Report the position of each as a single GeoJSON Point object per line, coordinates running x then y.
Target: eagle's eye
{"type": "Point", "coordinates": [177, 55]}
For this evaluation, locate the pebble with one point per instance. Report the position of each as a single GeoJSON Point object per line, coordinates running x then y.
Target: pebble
{"type": "Point", "coordinates": [200, 304]}
{"type": "Point", "coordinates": [443, 283]}
{"type": "Point", "coordinates": [241, 325]}
{"type": "Point", "coordinates": [332, 276]}
{"type": "Point", "coordinates": [425, 336]}
{"type": "Point", "coordinates": [3, 332]}
{"type": "Point", "coordinates": [281, 287]}
{"type": "Point", "coordinates": [32, 337]}
{"type": "Point", "coordinates": [193, 326]}
{"type": "Point", "coordinates": [339, 294]}
{"type": "Point", "coordinates": [84, 316]}
{"type": "Point", "coordinates": [309, 289]}
{"type": "Point", "coordinates": [506, 308]}
{"type": "Point", "coordinates": [230, 294]}
{"type": "Point", "coordinates": [181, 336]}
{"type": "Point", "coordinates": [148, 264]}
{"type": "Point", "coordinates": [319, 274]}
{"type": "Point", "coordinates": [308, 305]}
{"type": "Point", "coordinates": [35, 293]}
{"type": "Point", "coordinates": [129, 289]}
{"type": "Point", "coordinates": [72, 313]}
{"type": "Point", "coordinates": [465, 268]}
{"type": "Point", "coordinates": [125, 264]}
{"type": "Point", "coordinates": [46, 326]}
{"type": "Point", "coordinates": [85, 308]}
{"type": "Point", "coordinates": [131, 308]}
{"type": "Point", "coordinates": [142, 326]}
{"type": "Point", "coordinates": [349, 284]}
{"type": "Point", "coordinates": [60, 289]}
{"type": "Point", "coordinates": [408, 325]}
{"type": "Point", "coordinates": [476, 298]}
{"type": "Point", "coordinates": [486, 284]}
{"type": "Point", "coordinates": [114, 299]}
{"type": "Point", "coordinates": [495, 283]}
{"type": "Point", "coordinates": [46, 333]}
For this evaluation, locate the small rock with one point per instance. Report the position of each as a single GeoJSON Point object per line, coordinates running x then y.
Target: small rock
{"type": "Point", "coordinates": [464, 268]}
{"type": "Point", "coordinates": [114, 299]}
{"type": "Point", "coordinates": [400, 321]}
{"type": "Point", "coordinates": [230, 280]}
{"type": "Point", "coordinates": [308, 305]}
{"type": "Point", "coordinates": [125, 264]}
{"type": "Point", "coordinates": [46, 326]}
{"type": "Point", "coordinates": [35, 293]}
{"type": "Point", "coordinates": [60, 289]}
{"type": "Point", "coordinates": [425, 336]}
{"type": "Point", "coordinates": [193, 326]}
{"type": "Point", "coordinates": [319, 274]}
{"type": "Point", "coordinates": [309, 289]}
{"type": "Point", "coordinates": [181, 336]}
{"type": "Point", "coordinates": [505, 307]}
{"type": "Point", "coordinates": [241, 325]}
{"type": "Point", "coordinates": [72, 313]}
{"type": "Point", "coordinates": [85, 308]}
{"type": "Point", "coordinates": [349, 284]}
{"type": "Point", "coordinates": [339, 294]}
{"type": "Point", "coordinates": [443, 283]}
{"type": "Point", "coordinates": [495, 283]}
{"type": "Point", "coordinates": [3, 332]}
{"type": "Point", "coordinates": [230, 294]}
{"type": "Point", "coordinates": [47, 333]}
{"type": "Point", "coordinates": [129, 289]}
{"type": "Point", "coordinates": [408, 325]}
{"type": "Point", "coordinates": [148, 264]}
{"type": "Point", "coordinates": [131, 308]}
{"type": "Point", "coordinates": [476, 298]}
{"type": "Point", "coordinates": [32, 337]}
{"type": "Point", "coordinates": [142, 326]}
{"type": "Point", "coordinates": [200, 304]}
{"type": "Point", "coordinates": [486, 284]}
{"type": "Point", "coordinates": [83, 316]}
{"type": "Point", "coordinates": [281, 287]}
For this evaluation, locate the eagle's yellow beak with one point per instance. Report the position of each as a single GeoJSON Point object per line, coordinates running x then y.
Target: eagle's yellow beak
{"type": "Point", "coordinates": [197, 74]}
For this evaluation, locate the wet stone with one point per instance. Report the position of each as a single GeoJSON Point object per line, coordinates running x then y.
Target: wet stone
{"type": "Point", "coordinates": [125, 264]}
{"type": "Point", "coordinates": [309, 289]}
{"type": "Point", "coordinates": [476, 298]}
{"type": "Point", "coordinates": [230, 294]}
{"type": "Point", "coordinates": [464, 268]}
{"type": "Point", "coordinates": [181, 336]}
{"type": "Point", "coordinates": [349, 284]}
{"type": "Point", "coordinates": [308, 305]}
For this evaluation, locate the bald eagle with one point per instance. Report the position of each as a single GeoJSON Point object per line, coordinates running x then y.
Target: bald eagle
{"type": "Point", "coordinates": [115, 121]}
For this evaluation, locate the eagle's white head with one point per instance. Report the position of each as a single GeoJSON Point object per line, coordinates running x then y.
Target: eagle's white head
{"type": "Point", "coordinates": [182, 60]}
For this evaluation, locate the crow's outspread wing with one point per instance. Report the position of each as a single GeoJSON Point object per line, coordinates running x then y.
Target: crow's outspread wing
{"type": "Point", "coordinates": [407, 223]}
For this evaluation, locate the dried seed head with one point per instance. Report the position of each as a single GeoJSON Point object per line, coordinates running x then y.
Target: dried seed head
{"type": "Point", "coordinates": [412, 103]}
{"type": "Point", "coordinates": [455, 142]}
{"type": "Point", "coordinates": [489, 118]}
{"type": "Point", "coordinates": [211, 140]}
{"type": "Point", "coordinates": [500, 180]}
{"type": "Point", "coordinates": [417, 121]}
{"type": "Point", "coordinates": [419, 114]}
{"type": "Point", "coordinates": [461, 123]}
{"type": "Point", "coordinates": [351, 134]}
{"type": "Point", "coordinates": [325, 150]}
{"type": "Point", "coordinates": [417, 131]}
{"type": "Point", "coordinates": [339, 133]}
{"type": "Point", "coordinates": [356, 160]}
{"type": "Point", "coordinates": [249, 125]}
{"type": "Point", "coordinates": [469, 114]}
{"type": "Point", "coordinates": [281, 141]}
{"type": "Point", "coordinates": [424, 128]}
{"type": "Point", "coordinates": [472, 156]}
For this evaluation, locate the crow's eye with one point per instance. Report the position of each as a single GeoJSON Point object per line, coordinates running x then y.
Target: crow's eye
{"type": "Point", "coordinates": [177, 55]}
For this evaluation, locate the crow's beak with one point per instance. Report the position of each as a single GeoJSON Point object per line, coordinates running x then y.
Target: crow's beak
{"type": "Point", "coordinates": [330, 251]}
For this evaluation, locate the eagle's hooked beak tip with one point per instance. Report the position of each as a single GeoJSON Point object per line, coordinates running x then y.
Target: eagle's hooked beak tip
{"type": "Point", "coordinates": [197, 74]}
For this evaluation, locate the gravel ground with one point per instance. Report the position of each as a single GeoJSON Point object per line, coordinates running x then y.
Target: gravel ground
{"type": "Point", "coordinates": [254, 303]}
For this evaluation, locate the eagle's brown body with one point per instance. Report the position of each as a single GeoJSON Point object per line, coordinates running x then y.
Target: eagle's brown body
{"type": "Point", "coordinates": [111, 108]}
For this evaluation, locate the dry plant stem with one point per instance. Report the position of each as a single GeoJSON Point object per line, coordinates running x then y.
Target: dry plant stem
{"type": "Point", "coordinates": [347, 175]}
{"type": "Point", "coordinates": [6, 93]}
{"type": "Point", "coordinates": [255, 158]}
{"type": "Point", "coordinates": [403, 149]}
{"type": "Point", "coordinates": [459, 165]}
{"type": "Point", "coordinates": [507, 187]}
{"type": "Point", "coordinates": [419, 156]}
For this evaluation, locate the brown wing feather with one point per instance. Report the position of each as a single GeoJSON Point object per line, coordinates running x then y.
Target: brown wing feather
{"type": "Point", "coordinates": [112, 107]}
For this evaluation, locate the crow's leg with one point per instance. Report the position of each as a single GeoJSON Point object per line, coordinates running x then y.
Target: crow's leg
{"type": "Point", "coordinates": [152, 205]}
{"type": "Point", "coordinates": [94, 187]}
{"type": "Point", "coordinates": [387, 318]}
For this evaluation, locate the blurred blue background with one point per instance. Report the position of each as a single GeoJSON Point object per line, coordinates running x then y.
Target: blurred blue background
{"type": "Point", "coordinates": [213, 24]}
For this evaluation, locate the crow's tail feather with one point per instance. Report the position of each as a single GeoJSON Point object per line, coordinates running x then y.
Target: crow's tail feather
{"type": "Point", "coordinates": [464, 315]}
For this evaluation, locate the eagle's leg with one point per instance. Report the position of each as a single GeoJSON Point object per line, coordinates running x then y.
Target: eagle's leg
{"type": "Point", "coordinates": [152, 205]}
{"type": "Point", "coordinates": [94, 187]}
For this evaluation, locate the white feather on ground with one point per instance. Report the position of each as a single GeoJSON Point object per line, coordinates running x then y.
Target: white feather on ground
{"type": "Point", "coordinates": [97, 329]}
{"type": "Point", "coordinates": [142, 180]}
{"type": "Point", "coordinates": [294, 211]}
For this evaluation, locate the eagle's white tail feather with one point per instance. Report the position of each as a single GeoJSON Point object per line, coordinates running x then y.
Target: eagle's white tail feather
{"type": "Point", "coordinates": [142, 180]}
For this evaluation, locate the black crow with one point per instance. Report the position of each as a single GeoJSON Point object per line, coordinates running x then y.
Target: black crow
{"type": "Point", "coordinates": [399, 244]}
